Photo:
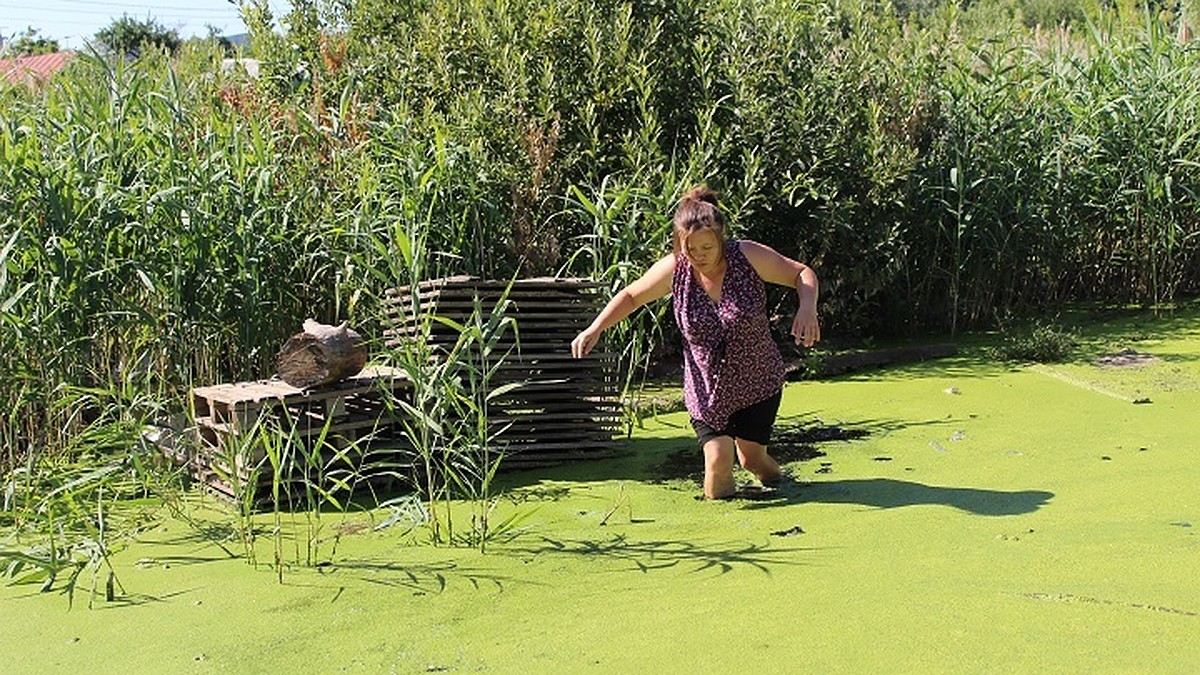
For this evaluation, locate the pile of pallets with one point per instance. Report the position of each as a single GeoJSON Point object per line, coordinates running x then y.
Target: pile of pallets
{"type": "Point", "coordinates": [561, 408]}
{"type": "Point", "coordinates": [251, 436]}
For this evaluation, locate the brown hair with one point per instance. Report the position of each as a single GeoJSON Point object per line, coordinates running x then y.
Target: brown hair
{"type": "Point", "coordinates": [698, 211]}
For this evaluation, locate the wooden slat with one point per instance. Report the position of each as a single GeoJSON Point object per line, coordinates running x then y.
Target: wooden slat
{"type": "Point", "coordinates": [465, 281]}
{"type": "Point", "coordinates": [370, 379]}
{"type": "Point", "coordinates": [560, 417]}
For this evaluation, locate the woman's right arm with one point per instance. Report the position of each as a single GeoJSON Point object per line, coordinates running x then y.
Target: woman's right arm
{"type": "Point", "coordinates": [654, 284]}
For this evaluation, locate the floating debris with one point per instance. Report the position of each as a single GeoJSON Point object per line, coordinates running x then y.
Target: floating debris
{"type": "Point", "coordinates": [1067, 597]}
{"type": "Point", "coordinates": [1125, 358]}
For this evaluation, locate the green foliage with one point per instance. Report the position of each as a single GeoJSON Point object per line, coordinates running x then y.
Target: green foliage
{"type": "Point", "coordinates": [444, 410]}
{"type": "Point", "coordinates": [29, 42]}
{"type": "Point", "coordinates": [1043, 342]}
{"type": "Point", "coordinates": [128, 36]}
{"type": "Point", "coordinates": [63, 520]}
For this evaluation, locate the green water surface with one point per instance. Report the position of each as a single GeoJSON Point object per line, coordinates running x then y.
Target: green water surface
{"type": "Point", "coordinates": [993, 519]}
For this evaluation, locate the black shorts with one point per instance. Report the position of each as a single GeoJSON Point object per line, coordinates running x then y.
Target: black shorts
{"type": "Point", "coordinates": [753, 423]}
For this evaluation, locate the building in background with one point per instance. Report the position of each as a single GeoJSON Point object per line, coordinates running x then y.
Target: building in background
{"type": "Point", "coordinates": [33, 70]}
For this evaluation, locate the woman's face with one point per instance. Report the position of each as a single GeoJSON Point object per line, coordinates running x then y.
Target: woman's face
{"type": "Point", "coordinates": [703, 250]}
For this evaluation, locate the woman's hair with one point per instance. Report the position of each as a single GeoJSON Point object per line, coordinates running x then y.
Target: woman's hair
{"type": "Point", "coordinates": [698, 211]}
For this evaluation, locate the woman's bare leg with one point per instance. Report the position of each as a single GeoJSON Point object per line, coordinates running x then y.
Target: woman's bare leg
{"type": "Point", "coordinates": [718, 468]}
{"type": "Point", "coordinates": [754, 458]}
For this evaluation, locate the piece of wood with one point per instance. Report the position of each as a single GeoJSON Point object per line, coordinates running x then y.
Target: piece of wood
{"type": "Point", "coordinates": [321, 355]}
{"type": "Point", "coordinates": [565, 408]}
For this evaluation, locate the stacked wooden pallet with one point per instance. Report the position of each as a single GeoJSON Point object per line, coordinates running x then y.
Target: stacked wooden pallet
{"type": "Point", "coordinates": [561, 408]}
{"type": "Point", "coordinates": [319, 436]}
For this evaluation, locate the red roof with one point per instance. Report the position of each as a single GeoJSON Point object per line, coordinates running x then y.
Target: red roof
{"type": "Point", "coordinates": [33, 69]}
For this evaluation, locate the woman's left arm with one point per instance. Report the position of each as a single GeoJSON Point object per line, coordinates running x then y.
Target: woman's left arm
{"type": "Point", "coordinates": [779, 269]}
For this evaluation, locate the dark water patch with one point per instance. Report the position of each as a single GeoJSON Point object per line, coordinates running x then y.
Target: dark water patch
{"type": "Point", "coordinates": [886, 493]}
{"type": "Point", "coordinates": [1126, 358]}
{"type": "Point", "coordinates": [796, 434]}
{"type": "Point", "coordinates": [647, 556]}
{"type": "Point", "coordinates": [789, 443]}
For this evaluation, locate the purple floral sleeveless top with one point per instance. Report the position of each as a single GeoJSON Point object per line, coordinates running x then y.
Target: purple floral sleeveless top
{"type": "Point", "coordinates": [729, 358]}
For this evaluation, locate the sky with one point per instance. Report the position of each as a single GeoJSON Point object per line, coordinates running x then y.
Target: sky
{"type": "Point", "coordinates": [72, 22]}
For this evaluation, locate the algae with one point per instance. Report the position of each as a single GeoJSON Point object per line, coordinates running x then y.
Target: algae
{"type": "Point", "coordinates": [987, 519]}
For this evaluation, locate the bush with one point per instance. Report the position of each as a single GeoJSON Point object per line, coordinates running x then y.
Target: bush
{"type": "Point", "coordinates": [1043, 343]}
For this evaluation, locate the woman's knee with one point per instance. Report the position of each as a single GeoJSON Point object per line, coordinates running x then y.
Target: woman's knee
{"type": "Point", "coordinates": [719, 454]}
{"type": "Point", "coordinates": [755, 459]}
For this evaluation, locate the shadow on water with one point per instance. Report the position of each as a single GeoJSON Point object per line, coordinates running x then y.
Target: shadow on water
{"type": "Point", "coordinates": [94, 598]}
{"type": "Point", "coordinates": [201, 533]}
{"type": "Point", "coordinates": [972, 365]}
{"type": "Point", "coordinates": [796, 438]}
{"type": "Point", "coordinates": [888, 493]}
{"type": "Point", "coordinates": [140, 599]}
{"type": "Point", "coordinates": [656, 555]}
{"type": "Point", "coordinates": [421, 579]}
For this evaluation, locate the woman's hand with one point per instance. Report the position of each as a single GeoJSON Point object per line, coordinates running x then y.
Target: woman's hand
{"type": "Point", "coordinates": [805, 327]}
{"type": "Point", "coordinates": [584, 342]}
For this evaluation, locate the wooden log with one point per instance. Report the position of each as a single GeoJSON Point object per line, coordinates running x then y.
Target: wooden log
{"type": "Point", "coordinates": [321, 355]}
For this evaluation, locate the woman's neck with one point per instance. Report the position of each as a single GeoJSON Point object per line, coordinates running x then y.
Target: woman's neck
{"type": "Point", "coordinates": [713, 271]}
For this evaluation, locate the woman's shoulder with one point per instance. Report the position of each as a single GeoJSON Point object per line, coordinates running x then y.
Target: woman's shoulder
{"type": "Point", "coordinates": [751, 249]}
{"type": "Point", "coordinates": [755, 255]}
{"type": "Point", "coordinates": [747, 248]}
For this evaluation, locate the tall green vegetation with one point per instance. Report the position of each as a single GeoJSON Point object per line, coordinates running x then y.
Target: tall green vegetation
{"type": "Point", "coordinates": [129, 37]}
{"type": "Point", "coordinates": [163, 224]}
{"type": "Point", "coordinates": [29, 42]}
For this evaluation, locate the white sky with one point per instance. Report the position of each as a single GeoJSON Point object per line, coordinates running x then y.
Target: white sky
{"type": "Point", "coordinates": [71, 22]}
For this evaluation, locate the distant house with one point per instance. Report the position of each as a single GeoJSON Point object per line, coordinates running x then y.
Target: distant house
{"type": "Point", "coordinates": [33, 70]}
{"type": "Point", "coordinates": [249, 66]}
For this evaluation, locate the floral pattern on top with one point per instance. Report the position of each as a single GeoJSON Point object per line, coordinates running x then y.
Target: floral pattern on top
{"type": "Point", "coordinates": [730, 360]}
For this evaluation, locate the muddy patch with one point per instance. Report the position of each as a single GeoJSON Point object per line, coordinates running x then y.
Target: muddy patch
{"type": "Point", "coordinates": [789, 443]}
{"type": "Point", "coordinates": [1126, 358]}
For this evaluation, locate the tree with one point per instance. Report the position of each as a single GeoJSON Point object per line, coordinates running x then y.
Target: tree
{"type": "Point", "coordinates": [29, 43]}
{"type": "Point", "coordinates": [128, 36]}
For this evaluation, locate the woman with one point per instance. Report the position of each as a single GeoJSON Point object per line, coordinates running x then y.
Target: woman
{"type": "Point", "coordinates": [733, 373]}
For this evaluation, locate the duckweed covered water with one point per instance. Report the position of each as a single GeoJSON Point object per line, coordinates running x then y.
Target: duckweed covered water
{"type": "Point", "coordinates": [988, 518]}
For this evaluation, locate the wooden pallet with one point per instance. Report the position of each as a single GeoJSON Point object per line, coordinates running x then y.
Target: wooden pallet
{"type": "Point", "coordinates": [317, 430]}
{"type": "Point", "coordinates": [242, 405]}
{"type": "Point", "coordinates": [565, 409]}
{"type": "Point", "coordinates": [562, 403]}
